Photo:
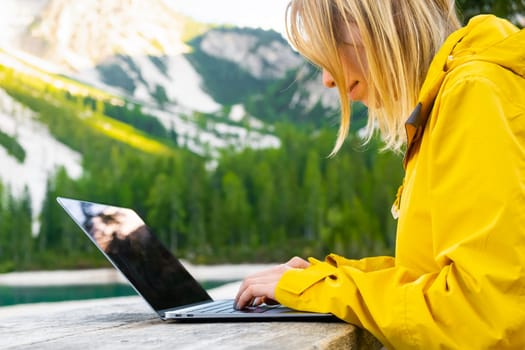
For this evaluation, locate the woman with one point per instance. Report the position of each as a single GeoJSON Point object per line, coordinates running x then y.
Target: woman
{"type": "Point", "coordinates": [458, 277]}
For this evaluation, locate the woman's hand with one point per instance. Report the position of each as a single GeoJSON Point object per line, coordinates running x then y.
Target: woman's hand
{"type": "Point", "coordinates": [260, 287]}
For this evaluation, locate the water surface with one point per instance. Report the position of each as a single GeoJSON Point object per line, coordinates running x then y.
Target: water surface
{"type": "Point", "coordinates": [12, 295]}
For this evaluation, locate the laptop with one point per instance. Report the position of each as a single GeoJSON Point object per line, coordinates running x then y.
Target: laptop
{"type": "Point", "coordinates": [157, 275]}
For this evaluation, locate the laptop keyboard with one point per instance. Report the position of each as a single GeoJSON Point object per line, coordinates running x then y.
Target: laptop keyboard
{"type": "Point", "coordinates": [227, 307]}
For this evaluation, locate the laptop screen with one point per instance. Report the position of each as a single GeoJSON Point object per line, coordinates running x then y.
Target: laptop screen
{"type": "Point", "coordinates": [133, 249]}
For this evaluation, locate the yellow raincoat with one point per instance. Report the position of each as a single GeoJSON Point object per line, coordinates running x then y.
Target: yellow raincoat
{"type": "Point", "coordinates": [458, 278]}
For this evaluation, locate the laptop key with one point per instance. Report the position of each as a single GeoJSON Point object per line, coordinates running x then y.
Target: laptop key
{"type": "Point", "coordinates": [228, 308]}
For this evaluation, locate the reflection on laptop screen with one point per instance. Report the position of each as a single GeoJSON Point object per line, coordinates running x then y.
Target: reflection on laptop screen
{"type": "Point", "coordinates": [132, 248]}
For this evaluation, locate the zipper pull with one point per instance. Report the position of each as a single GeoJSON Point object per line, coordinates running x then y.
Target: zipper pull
{"type": "Point", "coordinates": [397, 203]}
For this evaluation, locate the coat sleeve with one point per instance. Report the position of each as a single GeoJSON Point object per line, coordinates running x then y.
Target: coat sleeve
{"type": "Point", "coordinates": [476, 298]}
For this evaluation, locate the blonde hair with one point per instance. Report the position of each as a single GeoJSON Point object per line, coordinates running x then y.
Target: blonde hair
{"type": "Point", "coordinates": [400, 39]}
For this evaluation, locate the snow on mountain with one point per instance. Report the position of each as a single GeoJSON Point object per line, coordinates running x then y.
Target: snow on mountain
{"type": "Point", "coordinates": [176, 77]}
{"type": "Point", "coordinates": [16, 16]}
{"type": "Point", "coordinates": [183, 88]}
{"type": "Point", "coordinates": [216, 135]}
{"type": "Point", "coordinates": [269, 61]}
{"type": "Point", "coordinates": [315, 92]}
{"type": "Point", "coordinates": [80, 34]}
{"type": "Point", "coordinates": [183, 85]}
{"type": "Point", "coordinates": [44, 154]}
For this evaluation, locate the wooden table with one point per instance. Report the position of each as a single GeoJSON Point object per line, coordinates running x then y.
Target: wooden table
{"type": "Point", "coordinates": [129, 323]}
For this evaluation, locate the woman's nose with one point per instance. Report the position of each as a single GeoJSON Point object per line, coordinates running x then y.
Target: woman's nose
{"type": "Point", "coordinates": [328, 80]}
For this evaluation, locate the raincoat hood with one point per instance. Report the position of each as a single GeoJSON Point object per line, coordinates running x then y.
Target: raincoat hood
{"type": "Point", "coordinates": [484, 38]}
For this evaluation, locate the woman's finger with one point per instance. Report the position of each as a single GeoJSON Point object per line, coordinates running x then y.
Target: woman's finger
{"type": "Point", "coordinates": [261, 285]}
{"type": "Point", "coordinates": [254, 291]}
{"type": "Point", "coordinates": [265, 276]}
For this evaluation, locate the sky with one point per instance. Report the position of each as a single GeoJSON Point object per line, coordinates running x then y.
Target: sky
{"type": "Point", "coordinates": [265, 14]}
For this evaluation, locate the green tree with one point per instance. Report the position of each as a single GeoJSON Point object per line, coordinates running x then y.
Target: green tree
{"type": "Point", "coordinates": [266, 201]}
{"type": "Point", "coordinates": [510, 9]}
{"type": "Point", "coordinates": [22, 229]}
{"type": "Point", "coordinates": [166, 212]}
{"type": "Point", "coordinates": [314, 197]}
{"type": "Point", "coordinates": [196, 191]}
{"type": "Point", "coordinates": [236, 210]}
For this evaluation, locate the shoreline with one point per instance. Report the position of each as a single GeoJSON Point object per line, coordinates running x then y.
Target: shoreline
{"type": "Point", "coordinates": [226, 273]}
{"type": "Point", "coordinates": [226, 291]}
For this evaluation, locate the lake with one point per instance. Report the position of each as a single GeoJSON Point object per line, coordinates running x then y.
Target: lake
{"type": "Point", "coordinates": [12, 295]}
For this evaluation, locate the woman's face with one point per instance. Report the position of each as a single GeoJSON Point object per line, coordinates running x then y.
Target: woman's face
{"type": "Point", "coordinates": [355, 66]}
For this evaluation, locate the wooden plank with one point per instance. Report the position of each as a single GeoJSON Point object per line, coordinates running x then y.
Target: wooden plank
{"type": "Point", "coordinates": [129, 323]}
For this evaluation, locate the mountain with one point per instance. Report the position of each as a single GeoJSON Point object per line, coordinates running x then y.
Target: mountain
{"type": "Point", "coordinates": [212, 87]}
{"type": "Point", "coordinates": [80, 34]}
{"type": "Point", "coordinates": [143, 49]}
{"type": "Point", "coordinates": [42, 152]}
